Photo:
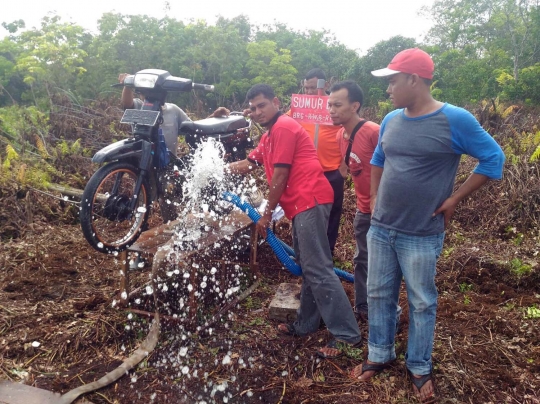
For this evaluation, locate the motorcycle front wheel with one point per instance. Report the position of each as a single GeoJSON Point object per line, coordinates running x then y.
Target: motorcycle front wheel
{"type": "Point", "coordinates": [107, 221]}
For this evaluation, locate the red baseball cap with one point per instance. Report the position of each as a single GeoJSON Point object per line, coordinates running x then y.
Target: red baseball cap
{"type": "Point", "coordinates": [410, 61]}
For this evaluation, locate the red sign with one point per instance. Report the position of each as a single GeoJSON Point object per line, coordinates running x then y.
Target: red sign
{"type": "Point", "coordinates": [310, 109]}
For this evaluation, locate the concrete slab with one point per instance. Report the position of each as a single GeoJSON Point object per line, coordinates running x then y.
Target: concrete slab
{"type": "Point", "coordinates": [18, 393]}
{"type": "Point", "coordinates": [285, 303]}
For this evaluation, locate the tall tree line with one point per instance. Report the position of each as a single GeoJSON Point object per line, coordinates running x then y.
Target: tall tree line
{"type": "Point", "coordinates": [482, 49]}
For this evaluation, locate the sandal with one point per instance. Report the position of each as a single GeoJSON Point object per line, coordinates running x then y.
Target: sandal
{"type": "Point", "coordinates": [367, 367]}
{"type": "Point", "coordinates": [340, 346]}
{"type": "Point", "coordinates": [287, 329]}
{"type": "Point", "coordinates": [419, 382]}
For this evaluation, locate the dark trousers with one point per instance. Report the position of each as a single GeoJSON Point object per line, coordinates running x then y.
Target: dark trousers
{"type": "Point", "coordinates": [337, 182]}
{"type": "Point", "coordinates": [322, 294]}
{"type": "Point", "coordinates": [362, 222]}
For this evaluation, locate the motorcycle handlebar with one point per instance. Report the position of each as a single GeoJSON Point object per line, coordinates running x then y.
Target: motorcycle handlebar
{"type": "Point", "coordinates": [205, 87]}
{"type": "Point", "coordinates": [175, 84]}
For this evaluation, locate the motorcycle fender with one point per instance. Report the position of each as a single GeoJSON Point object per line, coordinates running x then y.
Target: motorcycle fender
{"type": "Point", "coordinates": [118, 150]}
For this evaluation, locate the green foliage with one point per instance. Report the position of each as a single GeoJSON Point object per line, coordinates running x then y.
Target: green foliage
{"type": "Point", "coordinates": [345, 265]}
{"type": "Point", "coordinates": [483, 45]}
{"type": "Point", "coordinates": [18, 168]}
{"type": "Point", "coordinates": [51, 56]}
{"type": "Point", "coordinates": [447, 252]}
{"type": "Point", "coordinates": [518, 240]}
{"type": "Point", "coordinates": [11, 155]}
{"type": "Point", "coordinates": [482, 49]}
{"type": "Point", "coordinates": [258, 321]}
{"type": "Point", "coordinates": [269, 65]}
{"type": "Point", "coordinates": [525, 88]}
{"type": "Point", "coordinates": [532, 312]}
{"type": "Point", "coordinates": [509, 306]}
{"type": "Point", "coordinates": [353, 353]}
{"type": "Point", "coordinates": [384, 108]}
{"type": "Point", "coordinates": [523, 144]}
{"type": "Point", "coordinates": [465, 287]}
{"type": "Point", "coordinates": [519, 268]}
{"type": "Point", "coordinates": [16, 119]}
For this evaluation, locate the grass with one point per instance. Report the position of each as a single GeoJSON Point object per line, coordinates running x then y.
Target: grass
{"type": "Point", "coordinates": [519, 268]}
{"type": "Point", "coordinates": [257, 321]}
{"type": "Point", "coordinates": [532, 312]}
{"type": "Point", "coordinates": [465, 287]}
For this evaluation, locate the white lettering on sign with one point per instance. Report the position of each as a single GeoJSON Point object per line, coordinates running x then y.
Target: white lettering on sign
{"type": "Point", "coordinates": [309, 101]}
{"type": "Point", "coordinates": [310, 109]}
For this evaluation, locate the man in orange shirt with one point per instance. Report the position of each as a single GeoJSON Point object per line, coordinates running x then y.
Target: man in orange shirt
{"type": "Point", "coordinates": [329, 156]}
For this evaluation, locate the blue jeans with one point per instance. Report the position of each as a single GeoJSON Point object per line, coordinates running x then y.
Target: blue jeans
{"type": "Point", "coordinates": [392, 256]}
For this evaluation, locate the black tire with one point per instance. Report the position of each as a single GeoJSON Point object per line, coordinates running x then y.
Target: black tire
{"type": "Point", "coordinates": [106, 221]}
{"type": "Point", "coordinates": [170, 183]}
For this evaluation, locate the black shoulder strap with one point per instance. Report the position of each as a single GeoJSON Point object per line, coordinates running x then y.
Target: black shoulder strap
{"type": "Point", "coordinates": [351, 140]}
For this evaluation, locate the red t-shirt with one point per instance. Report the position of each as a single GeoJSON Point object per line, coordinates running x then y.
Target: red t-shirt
{"type": "Point", "coordinates": [364, 144]}
{"type": "Point", "coordinates": [287, 144]}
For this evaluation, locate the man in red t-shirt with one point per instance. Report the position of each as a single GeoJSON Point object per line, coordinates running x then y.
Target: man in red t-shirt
{"type": "Point", "coordinates": [344, 103]}
{"type": "Point", "coordinates": [297, 182]}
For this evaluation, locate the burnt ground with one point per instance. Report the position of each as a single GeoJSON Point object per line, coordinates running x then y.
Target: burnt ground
{"type": "Point", "coordinates": [54, 289]}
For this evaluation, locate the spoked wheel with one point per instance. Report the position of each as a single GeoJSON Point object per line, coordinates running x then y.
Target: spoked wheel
{"type": "Point", "coordinates": [107, 221]}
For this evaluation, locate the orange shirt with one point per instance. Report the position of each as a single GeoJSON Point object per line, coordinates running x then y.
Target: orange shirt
{"type": "Point", "coordinates": [327, 145]}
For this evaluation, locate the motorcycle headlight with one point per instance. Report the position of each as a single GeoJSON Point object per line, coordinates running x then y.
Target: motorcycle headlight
{"type": "Point", "coordinates": [145, 80]}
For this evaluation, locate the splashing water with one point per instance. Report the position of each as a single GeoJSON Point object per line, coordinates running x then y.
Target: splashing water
{"type": "Point", "coordinates": [207, 169]}
{"type": "Point", "coordinates": [206, 179]}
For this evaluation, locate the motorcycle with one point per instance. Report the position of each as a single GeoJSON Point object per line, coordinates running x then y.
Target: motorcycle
{"type": "Point", "coordinates": [116, 201]}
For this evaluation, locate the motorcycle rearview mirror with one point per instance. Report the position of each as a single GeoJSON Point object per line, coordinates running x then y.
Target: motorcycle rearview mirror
{"type": "Point", "coordinates": [128, 80]}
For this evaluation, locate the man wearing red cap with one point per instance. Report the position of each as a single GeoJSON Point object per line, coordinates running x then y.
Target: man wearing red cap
{"type": "Point", "coordinates": [412, 177]}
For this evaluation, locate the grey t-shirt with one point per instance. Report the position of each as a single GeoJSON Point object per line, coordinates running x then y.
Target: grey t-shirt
{"type": "Point", "coordinates": [420, 157]}
{"type": "Point", "coordinates": [173, 116]}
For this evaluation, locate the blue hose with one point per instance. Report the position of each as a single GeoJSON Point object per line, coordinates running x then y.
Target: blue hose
{"type": "Point", "coordinates": [339, 272]}
{"type": "Point", "coordinates": [284, 252]}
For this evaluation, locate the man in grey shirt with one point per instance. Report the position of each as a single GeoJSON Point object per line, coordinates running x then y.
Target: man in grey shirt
{"type": "Point", "coordinates": [412, 179]}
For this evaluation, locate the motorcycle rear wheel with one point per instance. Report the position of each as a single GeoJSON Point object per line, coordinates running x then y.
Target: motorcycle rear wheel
{"type": "Point", "coordinates": [107, 222]}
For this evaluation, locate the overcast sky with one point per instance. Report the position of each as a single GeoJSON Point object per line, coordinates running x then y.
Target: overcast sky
{"type": "Point", "coordinates": [358, 24]}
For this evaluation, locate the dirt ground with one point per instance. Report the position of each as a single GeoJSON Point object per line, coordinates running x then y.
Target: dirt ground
{"type": "Point", "coordinates": [56, 291]}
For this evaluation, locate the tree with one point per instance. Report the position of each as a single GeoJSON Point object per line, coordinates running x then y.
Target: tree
{"type": "Point", "coordinates": [11, 85]}
{"type": "Point", "coordinates": [457, 23]}
{"type": "Point", "coordinates": [51, 57]}
{"type": "Point", "coordinates": [311, 49]}
{"type": "Point", "coordinates": [268, 65]}
{"type": "Point", "coordinates": [512, 27]}
{"type": "Point", "coordinates": [488, 26]}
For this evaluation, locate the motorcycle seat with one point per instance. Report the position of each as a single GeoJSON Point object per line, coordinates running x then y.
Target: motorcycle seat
{"type": "Point", "coordinates": [211, 126]}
